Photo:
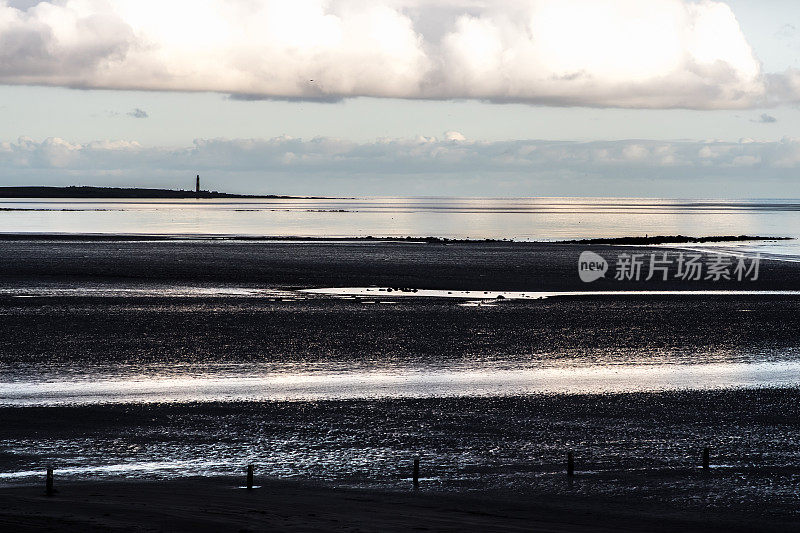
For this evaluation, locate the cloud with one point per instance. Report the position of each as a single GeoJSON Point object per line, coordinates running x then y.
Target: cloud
{"type": "Point", "coordinates": [454, 136]}
{"type": "Point", "coordinates": [623, 53]}
{"type": "Point", "coordinates": [138, 113]}
{"type": "Point", "coordinates": [765, 119]}
{"type": "Point", "coordinates": [422, 165]}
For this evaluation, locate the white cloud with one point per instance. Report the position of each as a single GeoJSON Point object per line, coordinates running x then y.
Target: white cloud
{"type": "Point", "coordinates": [626, 53]}
{"type": "Point", "coordinates": [454, 136]}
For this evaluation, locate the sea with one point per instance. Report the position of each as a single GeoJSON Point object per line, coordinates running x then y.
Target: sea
{"type": "Point", "coordinates": [460, 218]}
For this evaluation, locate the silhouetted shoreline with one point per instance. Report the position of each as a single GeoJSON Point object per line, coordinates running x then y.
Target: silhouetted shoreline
{"type": "Point", "coordinates": [623, 241]}
{"type": "Point", "coordinates": [126, 192]}
{"type": "Point", "coordinates": [676, 239]}
{"type": "Point", "coordinates": [189, 237]}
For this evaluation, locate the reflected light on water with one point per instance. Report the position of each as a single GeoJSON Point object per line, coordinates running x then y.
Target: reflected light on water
{"type": "Point", "coordinates": [411, 383]}
{"type": "Point", "coordinates": [477, 218]}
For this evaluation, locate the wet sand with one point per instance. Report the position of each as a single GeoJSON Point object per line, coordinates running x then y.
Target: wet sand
{"type": "Point", "coordinates": [42, 333]}
{"type": "Point", "coordinates": [490, 266]}
{"type": "Point", "coordinates": [642, 449]}
{"type": "Point", "coordinates": [218, 505]}
{"type": "Point", "coordinates": [638, 453]}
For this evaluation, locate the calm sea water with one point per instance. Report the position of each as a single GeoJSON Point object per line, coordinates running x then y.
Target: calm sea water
{"type": "Point", "coordinates": [477, 218]}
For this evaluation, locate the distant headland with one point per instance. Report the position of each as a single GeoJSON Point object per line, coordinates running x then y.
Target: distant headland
{"type": "Point", "coordinates": [676, 239]}
{"type": "Point", "coordinates": [118, 192]}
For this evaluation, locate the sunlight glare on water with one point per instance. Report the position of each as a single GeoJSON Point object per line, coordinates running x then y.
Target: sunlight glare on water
{"type": "Point", "coordinates": [476, 218]}
{"type": "Point", "coordinates": [409, 383]}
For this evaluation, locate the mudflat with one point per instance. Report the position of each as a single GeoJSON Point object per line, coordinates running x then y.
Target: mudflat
{"type": "Point", "coordinates": [77, 312]}
{"type": "Point", "coordinates": [221, 505]}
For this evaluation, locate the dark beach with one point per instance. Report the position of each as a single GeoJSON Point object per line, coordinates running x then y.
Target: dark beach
{"type": "Point", "coordinates": [218, 504]}
{"type": "Point", "coordinates": [487, 461]}
{"type": "Point", "coordinates": [301, 263]}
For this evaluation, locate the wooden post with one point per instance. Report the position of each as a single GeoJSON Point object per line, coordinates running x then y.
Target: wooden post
{"type": "Point", "coordinates": [570, 464]}
{"type": "Point", "coordinates": [416, 472]}
{"type": "Point", "coordinates": [249, 477]}
{"type": "Point", "coordinates": [706, 459]}
{"type": "Point", "coordinates": [49, 483]}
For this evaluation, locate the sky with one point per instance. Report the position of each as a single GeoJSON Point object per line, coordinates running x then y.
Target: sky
{"type": "Point", "coordinates": [675, 98]}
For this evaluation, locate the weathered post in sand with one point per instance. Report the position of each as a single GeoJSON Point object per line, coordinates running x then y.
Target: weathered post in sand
{"type": "Point", "coordinates": [706, 459]}
{"type": "Point", "coordinates": [49, 482]}
{"type": "Point", "coordinates": [570, 464]}
{"type": "Point", "coordinates": [250, 477]}
{"type": "Point", "coordinates": [416, 472]}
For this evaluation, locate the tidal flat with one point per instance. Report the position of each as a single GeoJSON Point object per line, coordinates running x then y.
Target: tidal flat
{"type": "Point", "coordinates": [79, 314]}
